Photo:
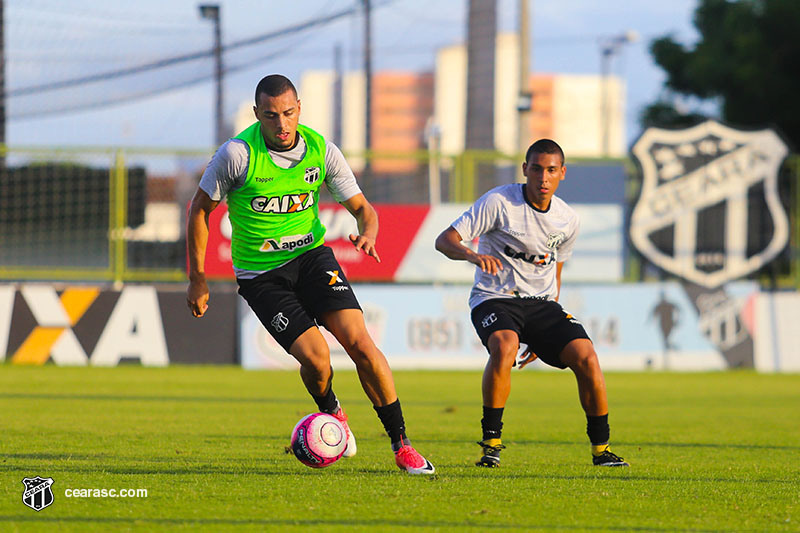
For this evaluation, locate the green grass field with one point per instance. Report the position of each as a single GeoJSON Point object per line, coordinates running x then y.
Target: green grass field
{"type": "Point", "coordinates": [709, 452]}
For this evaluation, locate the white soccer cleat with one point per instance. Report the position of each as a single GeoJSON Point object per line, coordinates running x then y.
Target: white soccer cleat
{"type": "Point", "coordinates": [351, 449]}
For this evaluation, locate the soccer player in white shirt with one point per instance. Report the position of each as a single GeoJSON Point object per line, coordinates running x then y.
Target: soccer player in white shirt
{"type": "Point", "coordinates": [525, 235]}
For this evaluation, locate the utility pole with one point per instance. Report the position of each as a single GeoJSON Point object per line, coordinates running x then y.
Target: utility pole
{"type": "Point", "coordinates": [211, 12]}
{"type": "Point", "coordinates": [480, 174]}
{"type": "Point", "coordinates": [337, 95]}
{"type": "Point", "coordinates": [481, 35]}
{"type": "Point", "coordinates": [524, 100]}
{"type": "Point", "coordinates": [2, 85]}
{"type": "Point", "coordinates": [368, 81]}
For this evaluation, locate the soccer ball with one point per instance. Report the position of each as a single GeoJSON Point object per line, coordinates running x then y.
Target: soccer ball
{"type": "Point", "coordinates": [318, 440]}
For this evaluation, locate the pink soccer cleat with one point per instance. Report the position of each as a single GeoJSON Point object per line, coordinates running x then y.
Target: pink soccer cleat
{"type": "Point", "coordinates": [351, 449]}
{"type": "Point", "coordinates": [409, 459]}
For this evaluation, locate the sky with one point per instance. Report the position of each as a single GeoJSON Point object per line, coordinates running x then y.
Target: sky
{"type": "Point", "coordinates": [49, 41]}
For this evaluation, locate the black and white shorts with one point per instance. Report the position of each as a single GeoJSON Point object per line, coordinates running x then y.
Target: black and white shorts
{"type": "Point", "coordinates": [541, 324]}
{"type": "Point", "coordinates": [292, 298]}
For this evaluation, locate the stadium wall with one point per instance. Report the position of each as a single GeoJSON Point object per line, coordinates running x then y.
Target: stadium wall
{"type": "Point", "coordinates": [643, 326]}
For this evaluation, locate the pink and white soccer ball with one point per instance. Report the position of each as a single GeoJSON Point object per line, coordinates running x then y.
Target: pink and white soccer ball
{"type": "Point", "coordinates": [319, 440]}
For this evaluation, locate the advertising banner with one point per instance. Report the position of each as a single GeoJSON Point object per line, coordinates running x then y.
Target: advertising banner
{"type": "Point", "coordinates": [415, 327]}
{"type": "Point", "coordinates": [633, 327]}
{"type": "Point", "coordinates": [84, 325]}
{"type": "Point", "coordinates": [657, 326]}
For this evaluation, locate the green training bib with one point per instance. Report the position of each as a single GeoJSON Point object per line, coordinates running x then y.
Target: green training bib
{"type": "Point", "coordinates": [275, 214]}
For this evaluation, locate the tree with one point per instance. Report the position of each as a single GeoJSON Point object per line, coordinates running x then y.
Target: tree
{"type": "Point", "coordinates": [746, 58]}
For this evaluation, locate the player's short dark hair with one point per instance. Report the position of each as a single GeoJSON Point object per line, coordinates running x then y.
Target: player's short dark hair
{"type": "Point", "coordinates": [545, 146]}
{"type": "Point", "coordinates": [274, 85]}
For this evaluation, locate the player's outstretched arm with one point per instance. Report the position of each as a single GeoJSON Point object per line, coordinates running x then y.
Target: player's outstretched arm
{"type": "Point", "coordinates": [197, 241]}
{"type": "Point", "coordinates": [449, 243]}
{"type": "Point", "coordinates": [367, 219]}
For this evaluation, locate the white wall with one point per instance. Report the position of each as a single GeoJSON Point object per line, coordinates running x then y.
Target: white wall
{"type": "Point", "coordinates": [506, 90]}
{"type": "Point", "coordinates": [576, 104]}
{"type": "Point", "coordinates": [577, 117]}
{"type": "Point", "coordinates": [316, 101]}
{"type": "Point", "coordinates": [450, 97]}
{"type": "Point", "coordinates": [354, 109]}
{"type": "Point", "coordinates": [244, 117]}
{"type": "Point", "coordinates": [775, 334]}
{"type": "Point", "coordinates": [316, 95]}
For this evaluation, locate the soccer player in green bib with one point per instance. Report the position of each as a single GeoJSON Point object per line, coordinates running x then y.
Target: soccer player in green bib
{"type": "Point", "coordinates": [271, 174]}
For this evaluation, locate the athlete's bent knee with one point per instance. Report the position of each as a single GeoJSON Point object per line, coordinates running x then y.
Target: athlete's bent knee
{"type": "Point", "coordinates": [361, 349]}
{"type": "Point", "coordinates": [581, 357]}
{"type": "Point", "coordinates": [319, 367]}
{"type": "Point", "coordinates": [503, 347]}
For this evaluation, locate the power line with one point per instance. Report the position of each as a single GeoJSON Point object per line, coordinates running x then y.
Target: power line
{"type": "Point", "coordinates": [88, 14]}
{"type": "Point", "coordinates": [108, 101]}
{"type": "Point", "coordinates": [163, 63]}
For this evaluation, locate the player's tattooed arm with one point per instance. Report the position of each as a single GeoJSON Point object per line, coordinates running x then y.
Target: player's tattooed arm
{"type": "Point", "coordinates": [449, 243]}
{"type": "Point", "coordinates": [367, 219]}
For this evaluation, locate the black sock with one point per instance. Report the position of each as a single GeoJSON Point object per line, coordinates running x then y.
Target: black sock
{"type": "Point", "coordinates": [597, 428]}
{"type": "Point", "coordinates": [392, 418]}
{"type": "Point", "coordinates": [492, 422]}
{"type": "Point", "coordinates": [327, 403]}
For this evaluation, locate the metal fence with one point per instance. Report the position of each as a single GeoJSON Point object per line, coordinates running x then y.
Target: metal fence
{"type": "Point", "coordinates": [118, 215]}
{"type": "Point", "coordinates": [95, 214]}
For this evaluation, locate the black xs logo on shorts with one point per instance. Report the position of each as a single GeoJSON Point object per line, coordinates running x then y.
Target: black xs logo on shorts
{"type": "Point", "coordinates": [488, 320]}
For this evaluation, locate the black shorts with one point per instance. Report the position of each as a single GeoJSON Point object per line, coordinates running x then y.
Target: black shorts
{"type": "Point", "coordinates": [543, 325]}
{"type": "Point", "coordinates": [293, 297]}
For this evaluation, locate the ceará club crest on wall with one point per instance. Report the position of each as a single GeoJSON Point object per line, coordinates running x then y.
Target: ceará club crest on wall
{"type": "Point", "coordinates": [709, 209]}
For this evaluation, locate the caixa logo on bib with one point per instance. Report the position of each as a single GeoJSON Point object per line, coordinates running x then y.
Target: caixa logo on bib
{"type": "Point", "coordinates": [288, 203]}
{"type": "Point", "coordinates": [709, 210]}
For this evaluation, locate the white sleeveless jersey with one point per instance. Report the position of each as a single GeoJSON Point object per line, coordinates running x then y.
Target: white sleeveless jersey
{"type": "Point", "coordinates": [529, 242]}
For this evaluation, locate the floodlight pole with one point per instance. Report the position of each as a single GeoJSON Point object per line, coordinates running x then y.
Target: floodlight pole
{"type": "Point", "coordinates": [605, 67]}
{"type": "Point", "coordinates": [211, 12]}
{"type": "Point", "coordinates": [608, 49]}
{"type": "Point", "coordinates": [2, 85]}
{"type": "Point", "coordinates": [368, 82]}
